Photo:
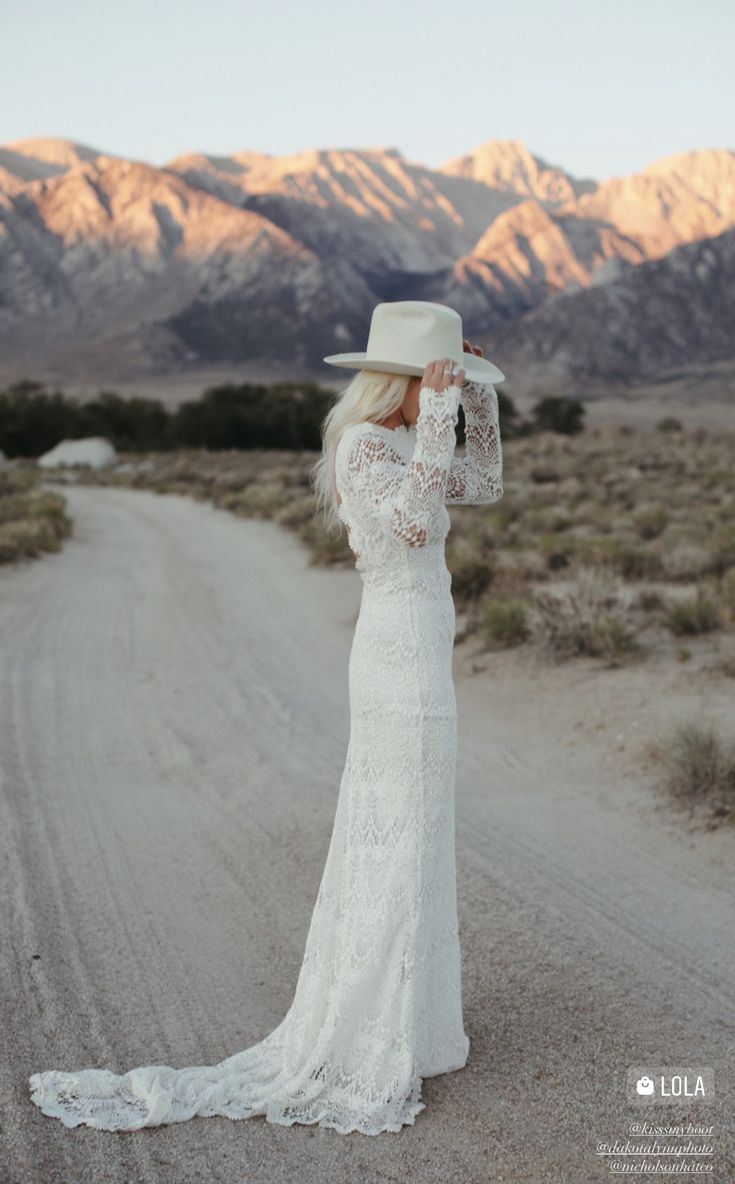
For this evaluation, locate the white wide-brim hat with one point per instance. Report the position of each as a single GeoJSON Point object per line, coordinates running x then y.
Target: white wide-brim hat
{"type": "Point", "coordinates": [405, 335]}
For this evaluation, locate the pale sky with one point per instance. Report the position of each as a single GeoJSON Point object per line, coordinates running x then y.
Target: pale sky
{"type": "Point", "coordinates": [601, 89]}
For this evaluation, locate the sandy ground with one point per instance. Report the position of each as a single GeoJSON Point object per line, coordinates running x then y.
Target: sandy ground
{"type": "Point", "coordinates": [173, 724]}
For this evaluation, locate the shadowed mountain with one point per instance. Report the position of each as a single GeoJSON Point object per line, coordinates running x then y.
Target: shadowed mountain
{"type": "Point", "coordinates": [654, 320]}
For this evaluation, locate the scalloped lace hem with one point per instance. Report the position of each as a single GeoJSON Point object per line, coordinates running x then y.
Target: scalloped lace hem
{"type": "Point", "coordinates": [50, 1091]}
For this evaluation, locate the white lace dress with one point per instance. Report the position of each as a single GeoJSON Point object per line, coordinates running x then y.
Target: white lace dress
{"type": "Point", "coordinates": [378, 1003]}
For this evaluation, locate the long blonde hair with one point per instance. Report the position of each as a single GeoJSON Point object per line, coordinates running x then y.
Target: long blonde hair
{"type": "Point", "coordinates": [370, 396]}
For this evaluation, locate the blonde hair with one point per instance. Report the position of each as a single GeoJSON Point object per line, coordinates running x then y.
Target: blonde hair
{"type": "Point", "coordinates": [370, 396]}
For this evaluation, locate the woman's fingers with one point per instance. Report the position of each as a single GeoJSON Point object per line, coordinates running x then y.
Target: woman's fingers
{"type": "Point", "coordinates": [441, 373]}
{"type": "Point", "coordinates": [434, 373]}
{"type": "Point", "coordinates": [438, 375]}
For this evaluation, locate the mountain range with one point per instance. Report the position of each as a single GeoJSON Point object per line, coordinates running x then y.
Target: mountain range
{"type": "Point", "coordinates": [124, 269]}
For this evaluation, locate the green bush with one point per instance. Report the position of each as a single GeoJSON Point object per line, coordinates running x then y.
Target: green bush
{"type": "Point", "coordinates": [559, 414]}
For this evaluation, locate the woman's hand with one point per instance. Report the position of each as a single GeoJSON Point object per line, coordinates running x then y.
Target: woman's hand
{"type": "Point", "coordinates": [438, 375]}
{"type": "Point", "coordinates": [472, 349]}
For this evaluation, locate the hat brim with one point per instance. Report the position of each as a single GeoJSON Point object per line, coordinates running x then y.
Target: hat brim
{"type": "Point", "coordinates": [476, 369]}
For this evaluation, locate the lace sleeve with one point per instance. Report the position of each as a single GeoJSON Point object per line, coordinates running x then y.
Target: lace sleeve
{"type": "Point", "coordinates": [406, 496]}
{"type": "Point", "coordinates": [477, 477]}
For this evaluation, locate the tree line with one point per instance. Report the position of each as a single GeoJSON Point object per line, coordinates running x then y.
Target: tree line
{"type": "Point", "coordinates": [283, 415]}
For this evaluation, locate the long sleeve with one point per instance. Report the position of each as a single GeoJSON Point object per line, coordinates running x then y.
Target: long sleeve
{"type": "Point", "coordinates": [477, 477]}
{"type": "Point", "coordinates": [406, 495]}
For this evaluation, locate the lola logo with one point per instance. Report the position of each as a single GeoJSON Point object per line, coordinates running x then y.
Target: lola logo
{"type": "Point", "coordinates": [671, 1084]}
{"type": "Point", "coordinates": [679, 1087]}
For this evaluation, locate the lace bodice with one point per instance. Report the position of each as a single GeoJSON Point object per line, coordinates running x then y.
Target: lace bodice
{"type": "Point", "coordinates": [394, 483]}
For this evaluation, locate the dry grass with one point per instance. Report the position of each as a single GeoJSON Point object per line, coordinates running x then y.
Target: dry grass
{"type": "Point", "coordinates": [650, 513]}
{"type": "Point", "coordinates": [505, 620]}
{"type": "Point", "coordinates": [699, 769]}
{"type": "Point", "coordinates": [32, 520]}
{"type": "Point", "coordinates": [590, 615]}
{"type": "Point", "coordinates": [695, 614]}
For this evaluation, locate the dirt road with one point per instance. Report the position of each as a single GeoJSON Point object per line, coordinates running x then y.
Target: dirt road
{"type": "Point", "coordinates": [173, 723]}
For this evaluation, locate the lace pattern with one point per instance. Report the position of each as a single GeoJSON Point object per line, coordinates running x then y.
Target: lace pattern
{"type": "Point", "coordinates": [477, 478]}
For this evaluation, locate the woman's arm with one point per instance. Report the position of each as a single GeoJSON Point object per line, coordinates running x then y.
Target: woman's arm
{"type": "Point", "coordinates": [477, 477]}
{"type": "Point", "coordinates": [405, 496]}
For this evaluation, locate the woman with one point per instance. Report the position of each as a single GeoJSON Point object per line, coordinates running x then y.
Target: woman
{"type": "Point", "coordinates": [377, 1005]}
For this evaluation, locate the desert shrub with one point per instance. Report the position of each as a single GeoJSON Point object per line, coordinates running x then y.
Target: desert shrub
{"type": "Point", "coordinates": [558, 550]}
{"type": "Point", "coordinates": [571, 489]}
{"type": "Point", "coordinates": [722, 546]}
{"type": "Point", "coordinates": [230, 482]}
{"type": "Point", "coordinates": [327, 546]}
{"type": "Point", "coordinates": [543, 472]}
{"type": "Point", "coordinates": [587, 617]}
{"type": "Point", "coordinates": [471, 565]}
{"type": "Point", "coordinates": [48, 505]}
{"type": "Point", "coordinates": [725, 663]}
{"type": "Point", "coordinates": [727, 591]}
{"type": "Point", "coordinates": [694, 614]}
{"type": "Point", "coordinates": [650, 600]}
{"type": "Point", "coordinates": [650, 521]}
{"type": "Point", "coordinates": [18, 479]}
{"type": "Point", "coordinates": [699, 765]}
{"type": "Point", "coordinates": [256, 500]}
{"type": "Point", "coordinates": [631, 560]}
{"type": "Point", "coordinates": [506, 513]}
{"type": "Point", "coordinates": [296, 512]}
{"type": "Point", "coordinates": [548, 520]}
{"type": "Point", "coordinates": [519, 567]}
{"type": "Point", "coordinates": [41, 527]}
{"type": "Point", "coordinates": [670, 423]}
{"type": "Point", "coordinates": [32, 520]}
{"type": "Point", "coordinates": [597, 515]}
{"type": "Point", "coordinates": [686, 561]}
{"type": "Point", "coordinates": [504, 620]}
{"type": "Point", "coordinates": [14, 506]}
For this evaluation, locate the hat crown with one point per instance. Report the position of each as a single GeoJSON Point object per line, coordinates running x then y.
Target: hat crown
{"type": "Point", "coordinates": [415, 332]}
{"type": "Point", "coordinates": [407, 335]}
